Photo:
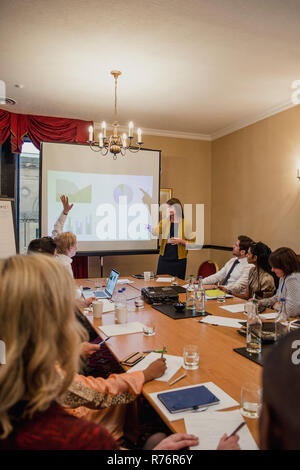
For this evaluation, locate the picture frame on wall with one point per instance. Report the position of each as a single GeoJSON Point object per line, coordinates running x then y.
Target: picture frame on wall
{"type": "Point", "coordinates": [165, 195]}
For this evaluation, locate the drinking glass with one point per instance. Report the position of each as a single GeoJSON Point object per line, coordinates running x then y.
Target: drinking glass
{"type": "Point", "coordinates": [251, 400]}
{"type": "Point", "coordinates": [190, 357]}
{"type": "Point", "coordinates": [222, 296]}
{"type": "Point", "coordinates": [149, 328]}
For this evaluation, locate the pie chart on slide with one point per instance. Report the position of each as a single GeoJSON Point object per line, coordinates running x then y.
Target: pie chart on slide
{"type": "Point", "coordinates": [123, 190]}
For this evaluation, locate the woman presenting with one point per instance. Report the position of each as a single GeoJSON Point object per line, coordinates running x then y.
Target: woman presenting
{"type": "Point", "coordinates": [176, 233]}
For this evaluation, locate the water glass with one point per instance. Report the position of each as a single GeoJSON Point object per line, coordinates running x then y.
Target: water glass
{"type": "Point", "coordinates": [221, 297]}
{"type": "Point", "coordinates": [147, 276]}
{"type": "Point", "coordinates": [251, 400]}
{"type": "Point", "coordinates": [190, 357]}
{"type": "Point", "coordinates": [149, 328]}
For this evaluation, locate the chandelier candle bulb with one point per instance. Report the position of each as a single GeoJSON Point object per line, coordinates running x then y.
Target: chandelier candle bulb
{"type": "Point", "coordinates": [91, 133]}
{"type": "Point", "coordinates": [130, 129]}
{"type": "Point", "coordinates": [139, 133]}
{"type": "Point", "coordinates": [104, 128]}
{"type": "Point", "coordinates": [101, 139]}
{"type": "Point", "coordinates": [124, 138]}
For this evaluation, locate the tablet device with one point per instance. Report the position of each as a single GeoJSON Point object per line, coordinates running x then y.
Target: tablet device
{"type": "Point", "coordinates": [188, 399]}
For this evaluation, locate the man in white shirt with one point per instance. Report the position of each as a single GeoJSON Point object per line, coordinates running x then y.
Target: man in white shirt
{"type": "Point", "coordinates": [234, 274]}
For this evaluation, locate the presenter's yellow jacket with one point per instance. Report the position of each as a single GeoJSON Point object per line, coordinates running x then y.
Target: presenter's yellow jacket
{"type": "Point", "coordinates": [184, 232]}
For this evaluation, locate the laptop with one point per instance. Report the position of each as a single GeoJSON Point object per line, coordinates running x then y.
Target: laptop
{"type": "Point", "coordinates": [110, 286]}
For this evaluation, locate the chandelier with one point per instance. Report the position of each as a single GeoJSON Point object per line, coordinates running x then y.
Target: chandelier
{"type": "Point", "coordinates": [115, 143]}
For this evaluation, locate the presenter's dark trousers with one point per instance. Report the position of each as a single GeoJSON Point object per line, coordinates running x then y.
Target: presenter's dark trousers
{"type": "Point", "coordinates": [170, 264]}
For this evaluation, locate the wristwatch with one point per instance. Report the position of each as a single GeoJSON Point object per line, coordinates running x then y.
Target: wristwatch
{"type": "Point", "coordinates": [229, 292]}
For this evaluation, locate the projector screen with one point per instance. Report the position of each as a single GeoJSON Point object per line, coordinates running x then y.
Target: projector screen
{"type": "Point", "coordinates": [114, 200]}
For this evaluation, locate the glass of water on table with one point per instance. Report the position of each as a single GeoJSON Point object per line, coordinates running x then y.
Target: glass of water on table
{"type": "Point", "coordinates": [251, 400]}
{"type": "Point", "coordinates": [190, 357]}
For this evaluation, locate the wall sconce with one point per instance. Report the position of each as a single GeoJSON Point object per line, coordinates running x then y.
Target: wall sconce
{"type": "Point", "coordinates": [298, 173]}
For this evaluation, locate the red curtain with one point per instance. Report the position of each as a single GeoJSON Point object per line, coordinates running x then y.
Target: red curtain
{"type": "Point", "coordinates": [40, 128]}
{"type": "Point", "coordinates": [80, 267]}
{"type": "Point", "coordinates": [4, 126]}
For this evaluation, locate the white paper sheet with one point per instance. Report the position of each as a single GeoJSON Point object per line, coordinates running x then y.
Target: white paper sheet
{"type": "Point", "coordinates": [173, 365]}
{"type": "Point", "coordinates": [225, 401]}
{"type": "Point", "coordinates": [123, 329]}
{"type": "Point", "coordinates": [234, 308]}
{"type": "Point", "coordinates": [222, 321]}
{"type": "Point", "coordinates": [124, 281]}
{"type": "Point", "coordinates": [269, 316]}
{"type": "Point", "coordinates": [165, 279]}
{"type": "Point", "coordinates": [210, 427]}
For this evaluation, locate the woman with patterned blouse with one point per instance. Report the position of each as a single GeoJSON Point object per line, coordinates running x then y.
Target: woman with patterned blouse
{"type": "Point", "coordinates": [285, 264]}
{"type": "Point", "coordinates": [260, 281]}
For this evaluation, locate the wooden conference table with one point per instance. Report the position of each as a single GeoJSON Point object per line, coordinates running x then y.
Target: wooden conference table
{"type": "Point", "coordinates": [218, 362]}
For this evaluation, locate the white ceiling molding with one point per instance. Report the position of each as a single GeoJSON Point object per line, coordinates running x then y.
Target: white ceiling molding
{"type": "Point", "coordinates": [252, 120]}
{"type": "Point", "coordinates": [159, 132]}
{"type": "Point", "coordinates": [216, 135]}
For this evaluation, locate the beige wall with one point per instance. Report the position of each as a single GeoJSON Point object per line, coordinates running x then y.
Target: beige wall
{"type": "Point", "coordinates": [254, 186]}
{"type": "Point", "coordinates": [186, 168]}
{"type": "Point", "coordinates": [247, 181]}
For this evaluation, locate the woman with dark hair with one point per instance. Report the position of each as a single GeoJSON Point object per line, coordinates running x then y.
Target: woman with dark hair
{"type": "Point", "coordinates": [176, 233]}
{"type": "Point", "coordinates": [285, 264]}
{"type": "Point", "coordinates": [260, 281]}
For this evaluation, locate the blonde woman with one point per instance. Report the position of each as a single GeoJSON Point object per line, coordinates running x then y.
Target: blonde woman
{"type": "Point", "coordinates": [38, 335]}
{"type": "Point", "coordinates": [41, 338]}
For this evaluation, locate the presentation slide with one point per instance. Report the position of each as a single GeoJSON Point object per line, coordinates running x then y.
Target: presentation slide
{"type": "Point", "coordinates": [113, 203]}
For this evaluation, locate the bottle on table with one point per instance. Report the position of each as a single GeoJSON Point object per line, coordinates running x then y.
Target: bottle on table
{"type": "Point", "coordinates": [200, 297]}
{"type": "Point", "coordinates": [281, 322]}
{"type": "Point", "coordinates": [121, 306]}
{"type": "Point", "coordinates": [254, 328]}
{"type": "Point", "coordinates": [190, 294]}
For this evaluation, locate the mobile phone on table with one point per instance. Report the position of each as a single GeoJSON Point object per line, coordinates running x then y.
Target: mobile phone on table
{"type": "Point", "coordinates": [132, 359]}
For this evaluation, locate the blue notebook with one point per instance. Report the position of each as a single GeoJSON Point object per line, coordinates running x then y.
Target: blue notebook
{"type": "Point", "coordinates": [188, 399]}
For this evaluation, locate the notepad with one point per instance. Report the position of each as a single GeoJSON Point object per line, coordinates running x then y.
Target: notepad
{"type": "Point", "coordinates": [215, 293]}
{"type": "Point", "coordinates": [188, 399]}
{"type": "Point", "coordinates": [123, 329]}
{"type": "Point", "coordinates": [210, 427]}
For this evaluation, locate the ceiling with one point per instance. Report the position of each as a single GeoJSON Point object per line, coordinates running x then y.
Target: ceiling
{"type": "Point", "coordinates": [198, 68]}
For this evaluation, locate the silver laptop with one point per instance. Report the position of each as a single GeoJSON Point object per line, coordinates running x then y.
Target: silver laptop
{"type": "Point", "coordinates": [110, 286]}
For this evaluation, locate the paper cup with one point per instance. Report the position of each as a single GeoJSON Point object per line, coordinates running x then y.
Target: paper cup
{"type": "Point", "coordinates": [97, 306]}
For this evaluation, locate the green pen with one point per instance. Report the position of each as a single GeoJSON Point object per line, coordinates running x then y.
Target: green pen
{"type": "Point", "coordinates": [155, 350]}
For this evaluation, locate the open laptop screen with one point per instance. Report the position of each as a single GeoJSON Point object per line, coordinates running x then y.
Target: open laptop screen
{"type": "Point", "coordinates": [111, 283]}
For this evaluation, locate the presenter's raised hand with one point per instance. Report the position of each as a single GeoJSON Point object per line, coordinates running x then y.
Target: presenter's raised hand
{"type": "Point", "coordinates": [65, 202]}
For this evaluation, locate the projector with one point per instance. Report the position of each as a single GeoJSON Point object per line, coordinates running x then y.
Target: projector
{"type": "Point", "coordinates": [159, 295]}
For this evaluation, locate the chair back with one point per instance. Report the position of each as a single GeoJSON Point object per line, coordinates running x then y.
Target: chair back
{"type": "Point", "coordinates": [207, 268]}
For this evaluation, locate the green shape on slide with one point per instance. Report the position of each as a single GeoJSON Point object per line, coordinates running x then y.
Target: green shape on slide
{"type": "Point", "coordinates": [74, 194]}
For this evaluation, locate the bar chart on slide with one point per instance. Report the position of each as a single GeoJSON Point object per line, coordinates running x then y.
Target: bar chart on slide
{"type": "Point", "coordinates": [80, 227]}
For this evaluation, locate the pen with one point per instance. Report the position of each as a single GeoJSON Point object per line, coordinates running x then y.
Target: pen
{"type": "Point", "coordinates": [178, 378]}
{"type": "Point", "coordinates": [155, 350]}
{"type": "Point", "coordinates": [237, 429]}
{"type": "Point", "coordinates": [106, 339]}
{"type": "Point", "coordinates": [163, 351]}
